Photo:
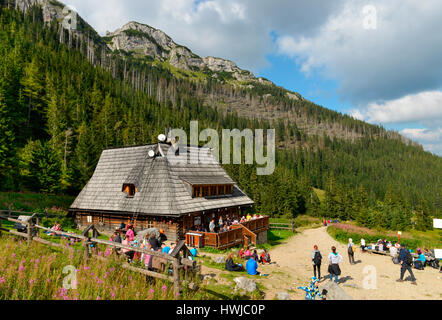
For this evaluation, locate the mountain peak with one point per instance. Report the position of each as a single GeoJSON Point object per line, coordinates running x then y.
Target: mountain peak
{"type": "Point", "coordinates": [143, 40]}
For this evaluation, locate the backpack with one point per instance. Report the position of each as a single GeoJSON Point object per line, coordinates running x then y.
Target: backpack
{"type": "Point", "coordinates": [317, 258]}
{"type": "Point", "coordinates": [408, 258]}
{"type": "Point", "coordinates": [267, 257]}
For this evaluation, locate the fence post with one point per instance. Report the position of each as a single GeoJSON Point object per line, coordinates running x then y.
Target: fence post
{"type": "Point", "coordinates": [9, 211]}
{"type": "Point", "coordinates": [293, 226]}
{"type": "Point", "coordinates": [176, 276]}
{"type": "Point", "coordinates": [87, 245]}
{"type": "Point", "coordinates": [37, 229]}
{"type": "Point", "coordinates": [46, 213]}
{"type": "Point", "coordinates": [29, 230]}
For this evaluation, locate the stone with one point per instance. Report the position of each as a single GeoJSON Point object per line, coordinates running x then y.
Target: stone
{"type": "Point", "coordinates": [283, 296]}
{"type": "Point", "coordinates": [334, 291]}
{"type": "Point", "coordinates": [219, 259]}
{"type": "Point", "coordinates": [243, 283]}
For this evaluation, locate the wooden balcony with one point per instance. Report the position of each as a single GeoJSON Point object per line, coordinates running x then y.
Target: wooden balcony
{"type": "Point", "coordinates": [241, 234]}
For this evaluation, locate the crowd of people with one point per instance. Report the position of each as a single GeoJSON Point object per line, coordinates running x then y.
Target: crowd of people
{"type": "Point", "coordinates": [328, 222]}
{"type": "Point", "coordinates": [224, 223]}
{"type": "Point", "coordinates": [252, 259]}
{"type": "Point", "coordinates": [151, 241]}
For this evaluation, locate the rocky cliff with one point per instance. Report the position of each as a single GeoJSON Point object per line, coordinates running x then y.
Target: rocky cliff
{"type": "Point", "coordinates": [153, 43]}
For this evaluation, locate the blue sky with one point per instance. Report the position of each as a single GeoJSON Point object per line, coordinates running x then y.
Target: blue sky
{"type": "Point", "coordinates": [377, 60]}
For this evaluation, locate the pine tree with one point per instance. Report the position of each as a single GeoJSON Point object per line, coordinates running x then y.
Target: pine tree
{"type": "Point", "coordinates": [424, 221]}
{"type": "Point", "coordinates": [7, 149]}
{"type": "Point", "coordinates": [46, 169]}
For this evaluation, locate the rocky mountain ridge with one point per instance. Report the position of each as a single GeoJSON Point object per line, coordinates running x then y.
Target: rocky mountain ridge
{"type": "Point", "coordinates": [150, 42]}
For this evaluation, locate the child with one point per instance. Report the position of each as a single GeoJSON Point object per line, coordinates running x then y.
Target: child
{"type": "Point", "coordinates": [312, 290]}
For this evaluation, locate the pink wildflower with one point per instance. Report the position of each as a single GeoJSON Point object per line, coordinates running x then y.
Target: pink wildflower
{"type": "Point", "coordinates": [98, 298]}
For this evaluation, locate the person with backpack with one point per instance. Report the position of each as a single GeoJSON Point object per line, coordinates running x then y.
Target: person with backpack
{"type": "Point", "coordinates": [406, 262]}
{"type": "Point", "coordinates": [316, 261]}
{"type": "Point", "coordinates": [265, 257]}
{"type": "Point", "coordinates": [334, 259]}
{"type": "Point", "coordinates": [350, 251]}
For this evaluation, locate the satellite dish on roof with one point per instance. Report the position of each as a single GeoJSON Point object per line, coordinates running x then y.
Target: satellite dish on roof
{"type": "Point", "coordinates": [162, 137]}
{"type": "Point", "coordinates": [151, 153]}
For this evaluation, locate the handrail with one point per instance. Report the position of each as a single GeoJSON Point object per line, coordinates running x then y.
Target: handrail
{"type": "Point", "coordinates": [188, 262]}
{"type": "Point", "coordinates": [25, 223]}
{"type": "Point", "coordinates": [72, 235]}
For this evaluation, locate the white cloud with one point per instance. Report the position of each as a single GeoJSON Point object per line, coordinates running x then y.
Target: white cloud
{"type": "Point", "coordinates": [238, 30]}
{"type": "Point", "coordinates": [423, 134]}
{"type": "Point", "coordinates": [401, 56]}
{"type": "Point", "coordinates": [423, 107]}
{"type": "Point", "coordinates": [431, 139]}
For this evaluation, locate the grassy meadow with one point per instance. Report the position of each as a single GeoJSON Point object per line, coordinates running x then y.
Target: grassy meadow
{"type": "Point", "coordinates": [412, 239]}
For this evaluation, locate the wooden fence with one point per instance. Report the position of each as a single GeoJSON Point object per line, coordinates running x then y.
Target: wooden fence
{"type": "Point", "coordinates": [178, 258]}
{"type": "Point", "coordinates": [283, 226]}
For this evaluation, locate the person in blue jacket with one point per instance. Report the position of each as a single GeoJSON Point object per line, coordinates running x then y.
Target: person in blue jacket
{"type": "Point", "coordinates": [312, 290]}
{"type": "Point", "coordinates": [420, 261]}
{"type": "Point", "coordinates": [252, 267]}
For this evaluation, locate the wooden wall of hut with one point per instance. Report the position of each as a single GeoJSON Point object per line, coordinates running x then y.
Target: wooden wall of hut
{"type": "Point", "coordinates": [107, 223]}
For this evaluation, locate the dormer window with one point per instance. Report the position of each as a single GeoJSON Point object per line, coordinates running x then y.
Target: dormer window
{"type": "Point", "coordinates": [208, 186]}
{"type": "Point", "coordinates": [129, 189]}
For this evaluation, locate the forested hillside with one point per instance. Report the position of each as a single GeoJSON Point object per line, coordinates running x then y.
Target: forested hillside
{"type": "Point", "coordinates": [65, 97]}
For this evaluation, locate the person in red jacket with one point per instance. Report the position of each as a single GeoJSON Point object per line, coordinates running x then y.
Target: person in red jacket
{"type": "Point", "coordinates": [265, 257]}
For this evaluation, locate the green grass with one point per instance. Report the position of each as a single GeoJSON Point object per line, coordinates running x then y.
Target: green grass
{"type": "Point", "coordinates": [275, 237]}
{"type": "Point", "coordinates": [34, 202]}
{"type": "Point", "coordinates": [412, 239]}
{"type": "Point", "coordinates": [320, 193]}
{"type": "Point", "coordinates": [35, 272]}
{"type": "Point", "coordinates": [225, 291]}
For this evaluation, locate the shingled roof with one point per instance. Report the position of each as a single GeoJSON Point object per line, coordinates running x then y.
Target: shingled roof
{"type": "Point", "coordinates": [161, 181]}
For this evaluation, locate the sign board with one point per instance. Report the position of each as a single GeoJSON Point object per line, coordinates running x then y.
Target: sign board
{"type": "Point", "coordinates": [438, 253]}
{"type": "Point", "coordinates": [437, 223]}
{"type": "Point", "coordinates": [399, 232]}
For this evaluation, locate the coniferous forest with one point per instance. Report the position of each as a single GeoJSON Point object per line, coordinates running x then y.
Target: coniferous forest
{"type": "Point", "coordinates": [64, 98]}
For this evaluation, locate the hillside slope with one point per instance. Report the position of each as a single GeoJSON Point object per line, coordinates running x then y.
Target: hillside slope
{"type": "Point", "coordinates": [64, 96]}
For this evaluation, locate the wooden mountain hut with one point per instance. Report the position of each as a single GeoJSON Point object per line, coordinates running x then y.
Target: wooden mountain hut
{"type": "Point", "coordinates": [159, 186]}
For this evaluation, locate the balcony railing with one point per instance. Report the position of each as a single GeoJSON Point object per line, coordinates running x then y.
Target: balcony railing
{"type": "Point", "coordinates": [235, 236]}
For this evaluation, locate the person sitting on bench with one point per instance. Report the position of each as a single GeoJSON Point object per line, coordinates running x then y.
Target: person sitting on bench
{"type": "Point", "coordinates": [420, 261]}
{"type": "Point", "coordinates": [232, 266]}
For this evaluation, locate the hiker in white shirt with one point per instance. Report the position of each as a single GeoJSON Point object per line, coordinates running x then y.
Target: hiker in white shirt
{"type": "Point", "coordinates": [334, 259]}
{"type": "Point", "coordinates": [363, 244]}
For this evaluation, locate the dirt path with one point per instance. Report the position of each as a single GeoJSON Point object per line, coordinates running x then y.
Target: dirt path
{"type": "Point", "coordinates": [294, 258]}
{"type": "Point", "coordinates": [293, 268]}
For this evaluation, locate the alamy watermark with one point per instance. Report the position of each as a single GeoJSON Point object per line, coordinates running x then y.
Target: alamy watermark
{"type": "Point", "coordinates": [370, 17]}
{"type": "Point", "coordinates": [70, 16]}
{"type": "Point", "coordinates": [70, 281]}
{"type": "Point", "coordinates": [232, 142]}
